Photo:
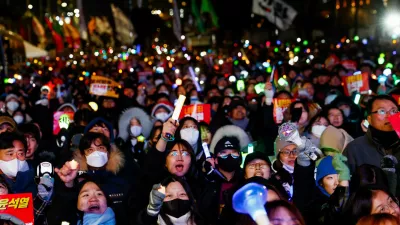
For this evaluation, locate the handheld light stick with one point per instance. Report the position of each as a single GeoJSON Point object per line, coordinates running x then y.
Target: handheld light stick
{"type": "Point", "coordinates": [250, 199]}
{"type": "Point", "coordinates": [177, 112]}
{"type": "Point", "coordinates": [208, 155]}
{"type": "Point", "coordinates": [192, 74]}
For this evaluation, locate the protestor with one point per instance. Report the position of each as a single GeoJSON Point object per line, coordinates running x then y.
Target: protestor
{"type": "Point", "coordinates": [87, 203]}
{"type": "Point", "coordinates": [315, 128]}
{"type": "Point", "coordinates": [106, 165]}
{"type": "Point", "coordinates": [171, 202]}
{"type": "Point", "coordinates": [162, 111]}
{"type": "Point", "coordinates": [223, 171]}
{"type": "Point", "coordinates": [189, 130]}
{"type": "Point", "coordinates": [367, 201]}
{"type": "Point", "coordinates": [134, 128]}
{"type": "Point", "coordinates": [380, 139]}
{"type": "Point", "coordinates": [19, 175]}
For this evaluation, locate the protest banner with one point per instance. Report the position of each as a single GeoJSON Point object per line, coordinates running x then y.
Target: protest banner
{"type": "Point", "coordinates": [19, 206]}
{"type": "Point", "coordinates": [397, 98]}
{"type": "Point", "coordinates": [280, 106]}
{"type": "Point", "coordinates": [357, 82]}
{"type": "Point", "coordinates": [103, 86]}
{"type": "Point", "coordinates": [395, 121]}
{"type": "Point", "coordinates": [201, 112]}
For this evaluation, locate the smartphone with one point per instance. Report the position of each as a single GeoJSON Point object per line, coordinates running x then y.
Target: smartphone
{"type": "Point", "coordinates": [312, 156]}
{"type": "Point", "coordinates": [366, 123]}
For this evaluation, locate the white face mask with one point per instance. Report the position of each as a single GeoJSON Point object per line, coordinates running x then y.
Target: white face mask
{"type": "Point", "coordinates": [190, 135]}
{"type": "Point", "coordinates": [13, 105]}
{"type": "Point", "coordinates": [97, 159]}
{"type": "Point", "coordinates": [164, 92]}
{"type": "Point", "coordinates": [136, 130]}
{"type": "Point", "coordinates": [194, 99]}
{"type": "Point", "coordinates": [317, 130]}
{"type": "Point", "coordinates": [12, 167]}
{"type": "Point", "coordinates": [163, 116]}
{"type": "Point", "coordinates": [18, 119]}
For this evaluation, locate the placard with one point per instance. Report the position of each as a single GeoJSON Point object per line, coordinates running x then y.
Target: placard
{"type": "Point", "coordinates": [397, 98]}
{"type": "Point", "coordinates": [56, 118]}
{"type": "Point", "coordinates": [356, 83]}
{"type": "Point", "coordinates": [19, 206]}
{"type": "Point", "coordinates": [103, 86]}
{"type": "Point", "coordinates": [201, 112]}
{"type": "Point", "coordinates": [395, 121]}
{"type": "Point", "coordinates": [280, 106]}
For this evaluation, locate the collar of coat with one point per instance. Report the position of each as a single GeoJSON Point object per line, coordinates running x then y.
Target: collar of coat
{"type": "Point", "coordinates": [115, 163]}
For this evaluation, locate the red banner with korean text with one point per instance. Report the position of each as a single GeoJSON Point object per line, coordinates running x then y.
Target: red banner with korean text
{"type": "Point", "coordinates": [397, 98]}
{"type": "Point", "coordinates": [201, 112]}
{"type": "Point", "coordinates": [19, 206]}
{"type": "Point", "coordinates": [280, 106]}
{"type": "Point", "coordinates": [395, 121]}
{"type": "Point", "coordinates": [356, 83]}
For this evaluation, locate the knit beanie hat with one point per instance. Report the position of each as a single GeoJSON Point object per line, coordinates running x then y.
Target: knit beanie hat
{"type": "Point", "coordinates": [227, 143]}
{"type": "Point", "coordinates": [256, 155]}
{"type": "Point", "coordinates": [323, 167]}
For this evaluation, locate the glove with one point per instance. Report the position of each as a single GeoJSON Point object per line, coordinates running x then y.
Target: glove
{"type": "Point", "coordinates": [64, 121]}
{"type": "Point", "coordinates": [388, 163]}
{"type": "Point", "coordinates": [307, 152]}
{"type": "Point", "coordinates": [156, 201]}
{"type": "Point", "coordinates": [341, 167]}
{"type": "Point", "coordinates": [269, 94]}
{"type": "Point", "coordinates": [45, 187]}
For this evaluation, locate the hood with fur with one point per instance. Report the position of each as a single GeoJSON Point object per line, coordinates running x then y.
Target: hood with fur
{"type": "Point", "coordinates": [139, 114]}
{"type": "Point", "coordinates": [67, 105]}
{"type": "Point", "coordinates": [230, 131]}
{"type": "Point", "coordinates": [116, 160]}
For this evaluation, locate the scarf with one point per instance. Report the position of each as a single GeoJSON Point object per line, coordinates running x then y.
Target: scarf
{"type": "Point", "coordinates": [240, 123]}
{"type": "Point", "coordinates": [107, 218]}
{"type": "Point", "coordinates": [384, 138]}
{"type": "Point", "coordinates": [183, 220]}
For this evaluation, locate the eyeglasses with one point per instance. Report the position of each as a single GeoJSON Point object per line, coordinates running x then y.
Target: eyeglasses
{"type": "Point", "coordinates": [225, 156]}
{"type": "Point", "coordinates": [177, 153]}
{"type": "Point", "coordinates": [259, 165]}
{"type": "Point", "coordinates": [384, 112]}
{"type": "Point", "coordinates": [288, 153]}
{"type": "Point", "coordinates": [389, 205]}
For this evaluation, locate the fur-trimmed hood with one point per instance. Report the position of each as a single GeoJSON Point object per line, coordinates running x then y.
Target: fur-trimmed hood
{"type": "Point", "coordinates": [167, 105]}
{"type": "Point", "coordinates": [230, 131]}
{"type": "Point", "coordinates": [66, 105]}
{"type": "Point", "coordinates": [139, 114]}
{"type": "Point", "coordinates": [116, 160]}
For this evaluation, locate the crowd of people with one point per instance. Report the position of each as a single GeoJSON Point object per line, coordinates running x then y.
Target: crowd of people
{"type": "Point", "coordinates": [124, 160]}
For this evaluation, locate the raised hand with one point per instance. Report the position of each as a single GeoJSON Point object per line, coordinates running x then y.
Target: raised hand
{"type": "Point", "coordinates": [68, 172]}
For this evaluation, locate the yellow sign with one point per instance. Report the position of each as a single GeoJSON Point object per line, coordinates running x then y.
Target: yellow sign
{"type": "Point", "coordinates": [103, 86]}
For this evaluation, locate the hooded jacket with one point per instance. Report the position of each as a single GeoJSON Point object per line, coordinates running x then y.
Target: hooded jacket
{"type": "Point", "coordinates": [116, 178]}
{"type": "Point", "coordinates": [102, 120]}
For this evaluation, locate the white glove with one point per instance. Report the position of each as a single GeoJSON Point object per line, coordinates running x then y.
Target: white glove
{"type": "Point", "coordinates": [269, 95]}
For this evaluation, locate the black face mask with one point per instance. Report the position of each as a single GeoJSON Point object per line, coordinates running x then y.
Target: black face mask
{"type": "Point", "coordinates": [229, 164]}
{"type": "Point", "coordinates": [176, 208]}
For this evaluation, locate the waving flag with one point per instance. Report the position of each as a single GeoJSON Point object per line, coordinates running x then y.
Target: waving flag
{"type": "Point", "coordinates": [277, 12]}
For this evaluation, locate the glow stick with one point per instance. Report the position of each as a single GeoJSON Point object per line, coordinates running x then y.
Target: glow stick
{"type": "Point", "coordinates": [206, 150]}
{"type": "Point", "coordinates": [192, 74]}
{"type": "Point", "coordinates": [73, 164]}
{"type": "Point", "coordinates": [178, 107]}
{"type": "Point", "coordinates": [271, 78]}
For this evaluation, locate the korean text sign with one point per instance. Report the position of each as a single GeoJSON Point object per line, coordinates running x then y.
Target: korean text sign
{"type": "Point", "coordinates": [356, 83]}
{"type": "Point", "coordinates": [18, 205]}
{"type": "Point", "coordinates": [103, 86]}
{"type": "Point", "coordinates": [201, 112]}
